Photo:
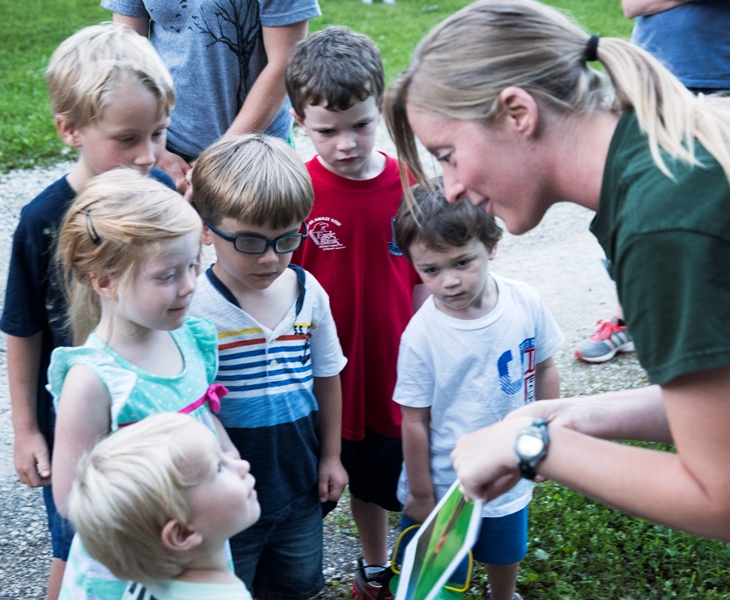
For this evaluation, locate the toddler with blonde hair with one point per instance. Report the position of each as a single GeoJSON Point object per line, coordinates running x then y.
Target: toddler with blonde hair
{"type": "Point", "coordinates": [157, 502]}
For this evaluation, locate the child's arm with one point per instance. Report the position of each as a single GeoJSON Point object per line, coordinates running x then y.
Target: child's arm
{"type": "Point", "coordinates": [83, 419]}
{"type": "Point", "coordinates": [416, 455]}
{"type": "Point", "coordinates": [547, 380]}
{"type": "Point", "coordinates": [332, 475]}
{"type": "Point", "coordinates": [226, 443]}
{"type": "Point", "coordinates": [32, 460]}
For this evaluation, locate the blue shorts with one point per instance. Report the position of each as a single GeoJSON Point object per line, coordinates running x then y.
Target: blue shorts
{"type": "Point", "coordinates": [62, 532]}
{"type": "Point", "coordinates": [282, 560]}
{"type": "Point", "coordinates": [501, 541]}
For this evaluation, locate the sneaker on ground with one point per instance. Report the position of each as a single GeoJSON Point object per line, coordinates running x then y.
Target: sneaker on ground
{"type": "Point", "coordinates": [369, 585]}
{"type": "Point", "coordinates": [610, 338]}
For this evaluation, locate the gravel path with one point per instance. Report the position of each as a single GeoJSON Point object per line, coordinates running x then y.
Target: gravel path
{"type": "Point", "coordinates": [560, 258]}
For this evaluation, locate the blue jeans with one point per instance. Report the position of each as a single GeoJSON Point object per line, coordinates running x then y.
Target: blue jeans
{"type": "Point", "coordinates": [62, 532]}
{"type": "Point", "coordinates": [282, 560]}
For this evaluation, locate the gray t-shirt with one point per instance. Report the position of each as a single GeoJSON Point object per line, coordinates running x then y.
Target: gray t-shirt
{"type": "Point", "coordinates": [214, 51]}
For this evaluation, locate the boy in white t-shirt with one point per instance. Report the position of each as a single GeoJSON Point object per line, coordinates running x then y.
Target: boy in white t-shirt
{"type": "Point", "coordinates": [479, 348]}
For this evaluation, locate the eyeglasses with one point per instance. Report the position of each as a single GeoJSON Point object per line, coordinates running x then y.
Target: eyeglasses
{"type": "Point", "coordinates": [257, 244]}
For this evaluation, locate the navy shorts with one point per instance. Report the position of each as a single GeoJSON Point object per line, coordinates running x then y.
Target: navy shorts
{"type": "Point", "coordinates": [373, 465]}
{"type": "Point", "coordinates": [501, 541]}
{"type": "Point", "coordinates": [62, 532]}
{"type": "Point", "coordinates": [282, 560]}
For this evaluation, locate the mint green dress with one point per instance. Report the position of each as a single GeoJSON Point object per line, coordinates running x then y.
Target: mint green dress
{"type": "Point", "coordinates": [137, 394]}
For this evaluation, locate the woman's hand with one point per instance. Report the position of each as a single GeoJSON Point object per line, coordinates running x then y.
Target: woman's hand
{"type": "Point", "coordinates": [485, 460]}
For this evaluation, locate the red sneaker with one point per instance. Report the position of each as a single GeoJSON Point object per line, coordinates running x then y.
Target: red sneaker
{"type": "Point", "coordinates": [375, 587]}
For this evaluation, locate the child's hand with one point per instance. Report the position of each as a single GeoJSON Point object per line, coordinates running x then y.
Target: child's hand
{"type": "Point", "coordinates": [418, 508]}
{"type": "Point", "coordinates": [332, 479]}
{"type": "Point", "coordinates": [32, 461]}
{"type": "Point", "coordinates": [175, 167]}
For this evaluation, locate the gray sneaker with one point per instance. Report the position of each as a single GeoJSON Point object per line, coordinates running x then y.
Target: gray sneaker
{"type": "Point", "coordinates": [610, 338]}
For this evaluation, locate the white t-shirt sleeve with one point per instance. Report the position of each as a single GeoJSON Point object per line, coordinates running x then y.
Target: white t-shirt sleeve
{"type": "Point", "coordinates": [327, 356]}
{"type": "Point", "coordinates": [415, 384]}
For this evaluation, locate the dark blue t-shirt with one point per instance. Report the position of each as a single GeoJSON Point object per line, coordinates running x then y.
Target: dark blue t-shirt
{"type": "Point", "coordinates": [34, 299]}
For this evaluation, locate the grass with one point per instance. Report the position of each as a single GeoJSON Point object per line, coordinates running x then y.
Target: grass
{"type": "Point", "coordinates": [581, 549]}
{"type": "Point", "coordinates": [33, 28]}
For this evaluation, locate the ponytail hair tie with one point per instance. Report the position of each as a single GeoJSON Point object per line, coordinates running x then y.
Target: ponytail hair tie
{"type": "Point", "coordinates": [591, 53]}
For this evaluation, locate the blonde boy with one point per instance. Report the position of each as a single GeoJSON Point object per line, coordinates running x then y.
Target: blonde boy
{"type": "Point", "coordinates": [156, 503]}
{"type": "Point", "coordinates": [111, 98]}
{"type": "Point", "coordinates": [335, 81]}
{"type": "Point", "coordinates": [279, 356]}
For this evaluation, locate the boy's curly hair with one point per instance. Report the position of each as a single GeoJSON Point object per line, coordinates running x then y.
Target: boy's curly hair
{"type": "Point", "coordinates": [438, 224]}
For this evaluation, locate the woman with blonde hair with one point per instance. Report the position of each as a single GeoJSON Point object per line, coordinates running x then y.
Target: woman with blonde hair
{"type": "Point", "coordinates": [502, 94]}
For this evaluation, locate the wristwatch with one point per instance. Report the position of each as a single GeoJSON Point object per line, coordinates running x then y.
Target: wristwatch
{"type": "Point", "coordinates": [531, 446]}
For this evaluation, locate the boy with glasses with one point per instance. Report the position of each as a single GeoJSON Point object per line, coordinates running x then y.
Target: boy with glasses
{"type": "Point", "coordinates": [279, 356]}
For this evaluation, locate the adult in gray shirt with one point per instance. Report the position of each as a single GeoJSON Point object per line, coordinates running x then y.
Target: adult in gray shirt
{"type": "Point", "coordinates": [227, 59]}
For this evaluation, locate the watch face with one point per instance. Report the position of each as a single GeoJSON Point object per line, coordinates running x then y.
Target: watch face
{"type": "Point", "coordinates": [529, 446]}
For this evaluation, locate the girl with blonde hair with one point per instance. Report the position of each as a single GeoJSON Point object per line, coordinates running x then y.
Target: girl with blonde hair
{"type": "Point", "coordinates": [502, 94]}
{"type": "Point", "coordinates": [129, 247]}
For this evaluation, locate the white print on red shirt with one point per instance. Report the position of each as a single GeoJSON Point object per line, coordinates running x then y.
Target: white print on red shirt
{"type": "Point", "coordinates": [320, 230]}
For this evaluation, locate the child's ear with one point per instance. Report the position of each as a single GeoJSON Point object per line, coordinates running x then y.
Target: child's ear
{"type": "Point", "coordinates": [493, 251]}
{"type": "Point", "coordinates": [207, 236]}
{"type": "Point", "coordinates": [179, 537]}
{"type": "Point", "coordinates": [297, 118]}
{"type": "Point", "coordinates": [105, 286]}
{"type": "Point", "coordinates": [68, 132]}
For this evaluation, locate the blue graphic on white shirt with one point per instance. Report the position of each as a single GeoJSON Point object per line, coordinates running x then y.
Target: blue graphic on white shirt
{"type": "Point", "coordinates": [526, 380]}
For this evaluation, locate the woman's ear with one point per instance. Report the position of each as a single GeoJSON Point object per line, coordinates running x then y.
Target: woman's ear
{"type": "Point", "coordinates": [179, 537]}
{"type": "Point", "coordinates": [105, 286]}
{"type": "Point", "coordinates": [519, 110]}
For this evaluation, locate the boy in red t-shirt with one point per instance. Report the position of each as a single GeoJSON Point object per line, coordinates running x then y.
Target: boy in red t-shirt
{"type": "Point", "coordinates": [335, 81]}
